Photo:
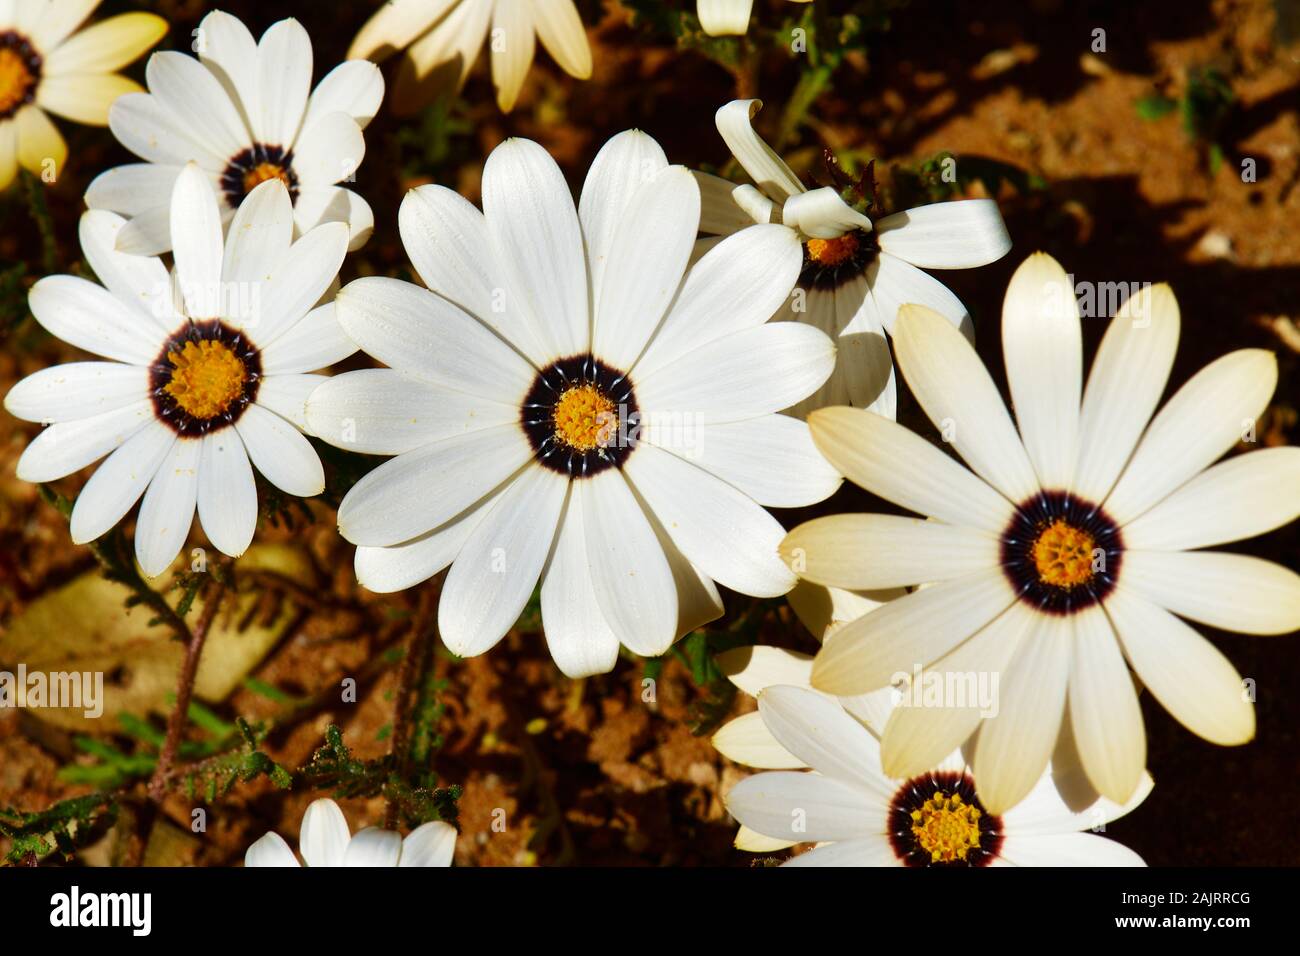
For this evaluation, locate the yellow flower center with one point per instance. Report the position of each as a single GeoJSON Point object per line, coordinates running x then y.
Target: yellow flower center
{"type": "Point", "coordinates": [1063, 555]}
{"type": "Point", "coordinates": [946, 827]}
{"type": "Point", "coordinates": [831, 252]}
{"type": "Point", "coordinates": [16, 79]}
{"type": "Point", "coordinates": [584, 418]}
{"type": "Point", "coordinates": [207, 377]}
{"type": "Point", "coordinates": [263, 172]}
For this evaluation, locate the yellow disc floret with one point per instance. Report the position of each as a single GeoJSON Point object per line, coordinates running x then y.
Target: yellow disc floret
{"type": "Point", "coordinates": [946, 827]}
{"type": "Point", "coordinates": [1063, 555]}
{"type": "Point", "coordinates": [16, 79]}
{"type": "Point", "coordinates": [206, 379]}
{"type": "Point", "coordinates": [263, 172]}
{"type": "Point", "coordinates": [831, 252]}
{"type": "Point", "coordinates": [584, 418]}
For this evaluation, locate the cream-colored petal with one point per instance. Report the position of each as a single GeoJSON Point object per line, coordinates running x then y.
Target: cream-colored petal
{"type": "Point", "coordinates": [107, 46]}
{"type": "Point", "coordinates": [84, 98]}
{"type": "Point", "coordinates": [1233, 592]}
{"type": "Point", "coordinates": [1103, 707]}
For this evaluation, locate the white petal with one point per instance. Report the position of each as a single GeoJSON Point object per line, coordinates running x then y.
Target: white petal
{"type": "Point", "coordinates": [77, 390]}
{"type": "Point", "coordinates": [920, 731]}
{"type": "Point", "coordinates": [646, 262]}
{"type": "Point", "coordinates": [284, 63]}
{"type": "Point", "coordinates": [630, 574]}
{"type": "Point", "coordinates": [280, 452]}
{"type": "Point", "coordinates": [260, 234]}
{"type": "Point", "coordinates": [119, 482]}
{"type": "Point", "coordinates": [424, 335]}
{"type": "Point", "coordinates": [822, 214]}
{"type": "Point", "coordinates": [287, 395]}
{"type": "Point", "coordinates": [229, 52]}
{"type": "Point", "coordinates": [430, 844]}
{"type": "Point", "coordinates": [807, 807]}
{"type": "Point", "coordinates": [329, 151]}
{"type": "Point", "coordinates": [864, 363]}
{"type": "Point", "coordinates": [1050, 808]}
{"type": "Point", "coordinates": [355, 87]}
{"type": "Point", "coordinates": [195, 98]}
{"type": "Point", "coordinates": [415, 492]}
{"type": "Point", "coordinates": [738, 285]}
{"type": "Point", "coordinates": [626, 163]}
{"type": "Point", "coordinates": [819, 732]}
{"type": "Point", "coordinates": [1238, 498]}
{"type": "Point", "coordinates": [895, 283]}
{"type": "Point", "coordinates": [946, 235]}
{"type": "Point", "coordinates": [1184, 671]}
{"type": "Point", "coordinates": [749, 373]}
{"type": "Point", "coordinates": [723, 206]}
{"type": "Point", "coordinates": [197, 242]}
{"type": "Point", "coordinates": [959, 396]}
{"type": "Point", "coordinates": [314, 342]}
{"type": "Point", "coordinates": [1067, 849]}
{"type": "Point", "coordinates": [167, 510]}
{"type": "Point", "coordinates": [132, 189]}
{"type": "Point", "coordinates": [89, 317]}
{"type": "Point", "coordinates": [561, 31]}
{"type": "Point", "coordinates": [754, 668]}
{"type": "Point", "coordinates": [512, 20]}
{"type": "Point", "coordinates": [721, 531]}
{"type": "Point", "coordinates": [139, 281]}
{"type": "Point", "coordinates": [1127, 379]}
{"type": "Point", "coordinates": [1218, 407]}
{"type": "Point", "coordinates": [863, 552]}
{"type": "Point", "coordinates": [147, 234]}
{"type": "Point", "coordinates": [912, 631]}
{"type": "Point", "coordinates": [891, 461]}
{"type": "Point", "coordinates": [538, 243]}
{"type": "Point", "coordinates": [321, 204]}
{"type": "Point", "coordinates": [270, 850]}
{"type": "Point", "coordinates": [297, 282]}
{"type": "Point", "coordinates": [324, 837]}
{"type": "Point", "coordinates": [1043, 346]}
{"type": "Point", "coordinates": [148, 128]}
{"type": "Point", "coordinates": [1233, 592]}
{"type": "Point", "coordinates": [580, 640]}
{"type": "Point", "coordinates": [744, 454]}
{"type": "Point", "coordinates": [385, 570]}
{"type": "Point", "coordinates": [865, 851]}
{"type": "Point", "coordinates": [380, 411]}
{"type": "Point", "coordinates": [447, 240]}
{"type": "Point", "coordinates": [1015, 746]}
{"type": "Point", "coordinates": [1104, 711]}
{"type": "Point", "coordinates": [373, 847]}
{"type": "Point", "coordinates": [497, 569]}
{"type": "Point", "coordinates": [773, 176]}
{"type": "Point", "coordinates": [227, 495]}
{"type": "Point", "coordinates": [748, 742]}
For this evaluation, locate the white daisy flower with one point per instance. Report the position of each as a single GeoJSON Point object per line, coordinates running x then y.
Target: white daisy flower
{"type": "Point", "coordinates": [442, 39]}
{"type": "Point", "coordinates": [46, 66]}
{"type": "Point", "coordinates": [244, 111]}
{"type": "Point", "coordinates": [565, 406]}
{"type": "Point", "coordinates": [326, 840]}
{"type": "Point", "coordinates": [205, 370]}
{"type": "Point", "coordinates": [861, 817]}
{"type": "Point", "coordinates": [1065, 549]}
{"type": "Point", "coordinates": [855, 273]}
{"type": "Point", "coordinates": [726, 17]}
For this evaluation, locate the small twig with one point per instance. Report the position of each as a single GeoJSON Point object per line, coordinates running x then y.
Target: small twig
{"type": "Point", "coordinates": [184, 690]}
{"type": "Point", "coordinates": [409, 675]}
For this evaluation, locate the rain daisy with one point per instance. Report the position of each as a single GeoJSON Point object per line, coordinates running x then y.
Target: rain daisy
{"type": "Point", "coordinates": [204, 372]}
{"type": "Point", "coordinates": [861, 817]}
{"type": "Point", "coordinates": [326, 840]}
{"type": "Point", "coordinates": [46, 66]}
{"type": "Point", "coordinates": [563, 405]}
{"type": "Point", "coordinates": [444, 38]}
{"type": "Point", "coordinates": [855, 273]}
{"type": "Point", "coordinates": [726, 17]}
{"type": "Point", "coordinates": [1067, 549]}
{"type": "Point", "coordinates": [246, 113]}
